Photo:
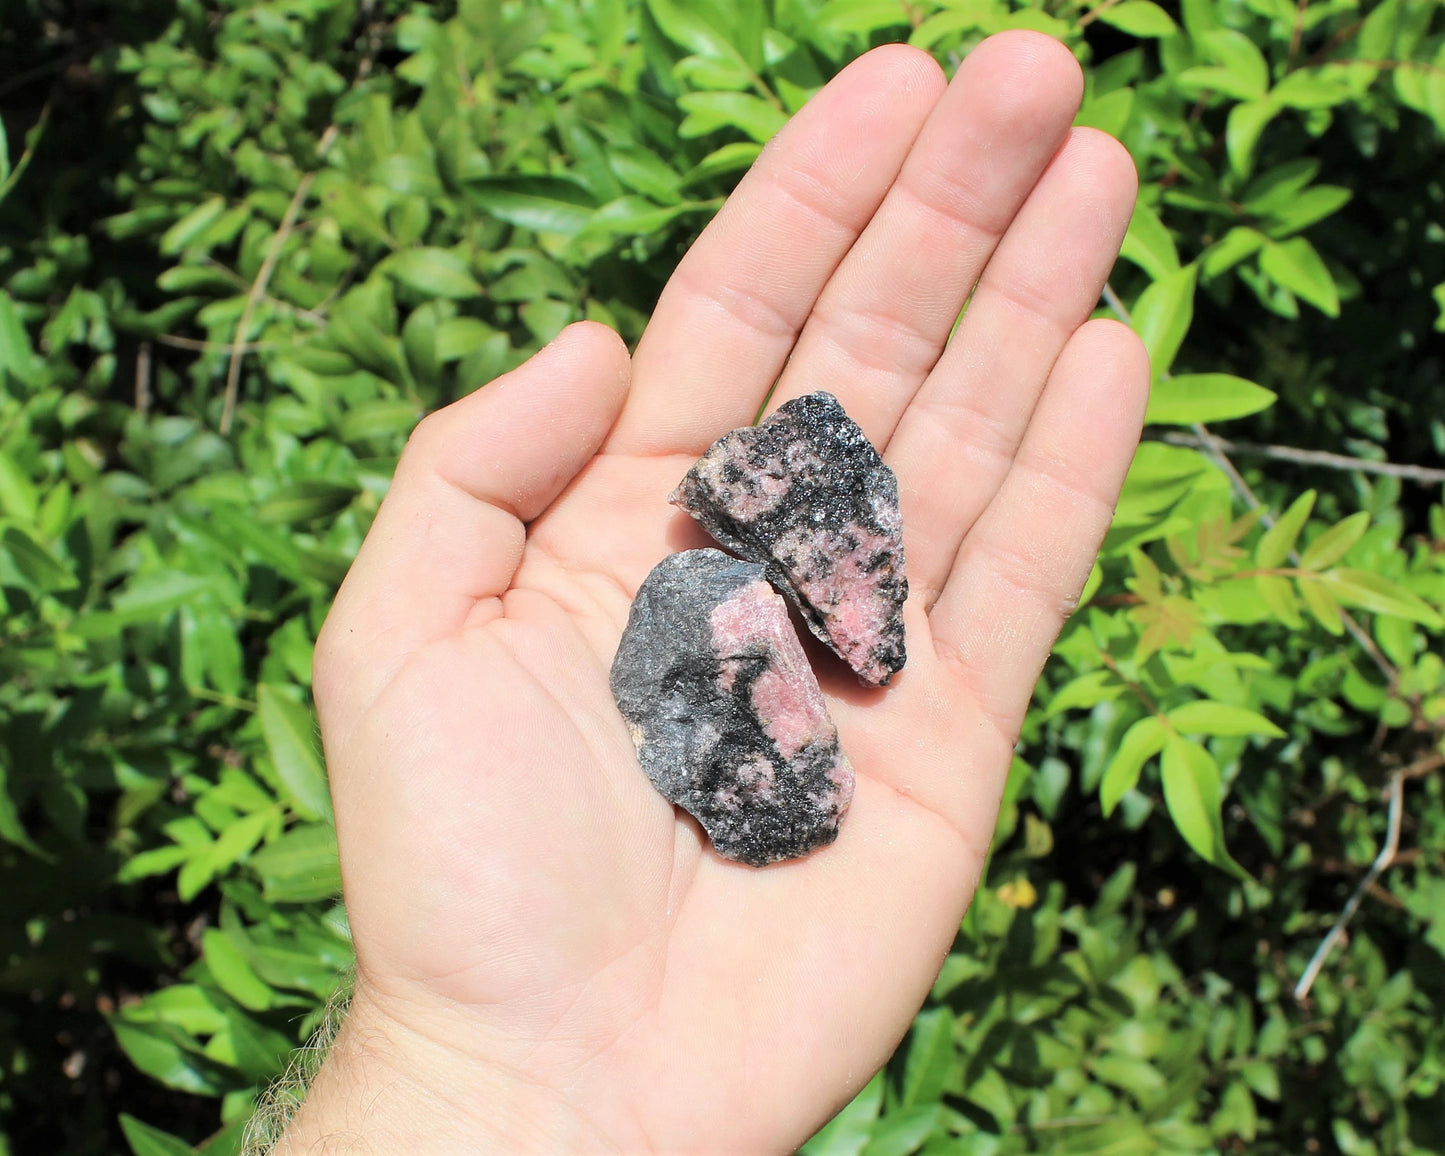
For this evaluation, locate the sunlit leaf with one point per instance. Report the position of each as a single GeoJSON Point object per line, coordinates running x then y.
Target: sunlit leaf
{"type": "Point", "coordinates": [1219, 718]}
{"type": "Point", "coordinates": [1205, 397]}
{"type": "Point", "coordinates": [1278, 541]}
{"type": "Point", "coordinates": [290, 733]}
{"type": "Point", "coordinates": [1162, 316]}
{"type": "Point", "coordinates": [1141, 742]}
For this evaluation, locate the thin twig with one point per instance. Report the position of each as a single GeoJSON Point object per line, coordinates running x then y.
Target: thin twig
{"type": "Point", "coordinates": [1425, 475]}
{"type": "Point", "coordinates": [273, 252]}
{"type": "Point", "coordinates": [1421, 767]}
{"type": "Point", "coordinates": [1382, 861]}
{"type": "Point", "coordinates": [176, 341]}
{"type": "Point", "coordinates": [32, 138]}
{"type": "Point", "coordinates": [143, 379]}
{"type": "Point", "coordinates": [258, 288]}
{"type": "Point", "coordinates": [1421, 65]}
{"type": "Point", "coordinates": [314, 316]}
{"type": "Point", "coordinates": [1297, 31]}
{"type": "Point", "coordinates": [1093, 14]}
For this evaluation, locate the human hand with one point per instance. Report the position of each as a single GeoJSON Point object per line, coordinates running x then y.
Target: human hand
{"type": "Point", "coordinates": [549, 957]}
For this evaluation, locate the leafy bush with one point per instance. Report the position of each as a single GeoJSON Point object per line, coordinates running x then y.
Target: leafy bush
{"type": "Point", "coordinates": [303, 223]}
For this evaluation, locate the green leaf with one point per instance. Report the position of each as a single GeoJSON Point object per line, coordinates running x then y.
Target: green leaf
{"type": "Point", "coordinates": [1141, 742]}
{"type": "Point", "coordinates": [380, 419]}
{"type": "Point", "coordinates": [1247, 121]}
{"type": "Point", "coordinates": [707, 112]}
{"type": "Point", "coordinates": [1262, 1078]}
{"type": "Point", "coordinates": [12, 830]}
{"type": "Point", "coordinates": [1192, 795]}
{"type": "Point", "coordinates": [301, 866]}
{"type": "Point", "coordinates": [1279, 599]}
{"type": "Point", "coordinates": [1240, 58]}
{"type": "Point", "coordinates": [1204, 717]}
{"type": "Point", "coordinates": [1162, 316]}
{"type": "Point", "coordinates": [1237, 244]}
{"type": "Point", "coordinates": [158, 594]}
{"type": "Point", "coordinates": [418, 342]}
{"type": "Point", "coordinates": [179, 235]}
{"type": "Point", "coordinates": [1205, 397]}
{"type": "Point", "coordinates": [17, 358]}
{"type": "Point", "coordinates": [1335, 542]}
{"type": "Point", "coordinates": [409, 176]}
{"type": "Point", "coordinates": [725, 161]}
{"type": "Point", "coordinates": [1278, 541]}
{"type": "Point", "coordinates": [155, 1051]}
{"type": "Point", "coordinates": [643, 171]}
{"type": "Point", "coordinates": [186, 1007]}
{"type": "Point", "coordinates": [638, 217]}
{"type": "Point", "coordinates": [1313, 88]}
{"type": "Point", "coordinates": [1369, 591]}
{"type": "Point", "coordinates": [931, 1057]}
{"type": "Point", "coordinates": [147, 1141]}
{"type": "Point", "coordinates": [1295, 265]}
{"type": "Point", "coordinates": [18, 496]}
{"type": "Point", "coordinates": [904, 1131]}
{"type": "Point", "coordinates": [290, 738]}
{"type": "Point", "coordinates": [1307, 208]}
{"type": "Point", "coordinates": [258, 1053]}
{"type": "Point", "coordinates": [233, 975]}
{"type": "Point", "coordinates": [1088, 690]}
{"type": "Point", "coordinates": [1138, 1077]}
{"type": "Point", "coordinates": [458, 336]}
{"type": "Point", "coordinates": [1148, 243]}
{"type": "Point", "coordinates": [34, 561]}
{"type": "Point", "coordinates": [685, 26]}
{"type": "Point", "coordinates": [433, 272]}
{"type": "Point", "coordinates": [1377, 33]}
{"type": "Point", "coordinates": [237, 840]}
{"type": "Point", "coordinates": [227, 1141]}
{"type": "Point", "coordinates": [542, 204]}
{"type": "Point", "coordinates": [1322, 605]}
{"type": "Point", "coordinates": [305, 501]}
{"type": "Point", "coordinates": [862, 17]}
{"type": "Point", "coordinates": [156, 861]}
{"type": "Point", "coordinates": [1141, 18]}
{"type": "Point", "coordinates": [848, 1132]}
{"type": "Point", "coordinates": [1108, 113]}
{"type": "Point", "coordinates": [961, 17]}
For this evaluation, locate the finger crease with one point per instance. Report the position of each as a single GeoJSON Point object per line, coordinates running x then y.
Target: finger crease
{"type": "Point", "coordinates": [906, 349]}
{"type": "Point", "coordinates": [956, 218]}
{"type": "Point", "coordinates": [754, 311]}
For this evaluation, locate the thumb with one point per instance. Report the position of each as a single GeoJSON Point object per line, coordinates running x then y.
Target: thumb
{"type": "Point", "coordinates": [451, 531]}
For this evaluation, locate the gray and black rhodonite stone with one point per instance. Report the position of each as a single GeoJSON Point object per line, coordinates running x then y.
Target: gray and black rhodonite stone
{"type": "Point", "coordinates": [726, 714]}
{"type": "Point", "coordinates": [806, 494]}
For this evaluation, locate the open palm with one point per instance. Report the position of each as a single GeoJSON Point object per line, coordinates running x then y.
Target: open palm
{"type": "Point", "coordinates": [548, 952]}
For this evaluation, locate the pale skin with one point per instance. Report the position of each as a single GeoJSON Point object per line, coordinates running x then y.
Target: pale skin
{"type": "Point", "coordinates": [550, 958]}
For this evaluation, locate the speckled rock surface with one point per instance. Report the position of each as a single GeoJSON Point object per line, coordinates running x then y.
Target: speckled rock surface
{"type": "Point", "coordinates": [726, 714]}
{"type": "Point", "coordinates": [806, 494]}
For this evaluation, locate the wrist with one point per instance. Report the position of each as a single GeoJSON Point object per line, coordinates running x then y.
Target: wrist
{"type": "Point", "coordinates": [390, 1086]}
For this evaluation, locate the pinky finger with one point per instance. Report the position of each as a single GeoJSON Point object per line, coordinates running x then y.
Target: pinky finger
{"type": "Point", "coordinates": [1019, 571]}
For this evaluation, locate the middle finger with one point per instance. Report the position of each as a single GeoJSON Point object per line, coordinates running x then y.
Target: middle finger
{"type": "Point", "coordinates": [883, 319]}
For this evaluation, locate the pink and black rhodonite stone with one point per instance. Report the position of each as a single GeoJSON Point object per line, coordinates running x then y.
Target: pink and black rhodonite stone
{"type": "Point", "coordinates": [806, 494]}
{"type": "Point", "coordinates": [726, 714]}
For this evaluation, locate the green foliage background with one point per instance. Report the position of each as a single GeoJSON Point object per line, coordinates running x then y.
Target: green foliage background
{"type": "Point", "coordinates": [390, 202]}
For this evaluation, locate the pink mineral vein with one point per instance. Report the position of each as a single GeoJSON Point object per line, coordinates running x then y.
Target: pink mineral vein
{"type": "Point", "coordinates": [752, 630]}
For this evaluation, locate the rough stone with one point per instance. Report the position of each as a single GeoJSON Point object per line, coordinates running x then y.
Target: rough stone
{"type": "Point", "coordinates": [806, 494]}
{"type": "Point", "coordinates": [726, 714]}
